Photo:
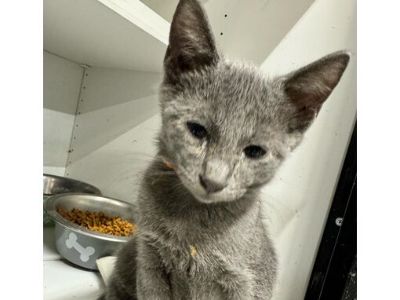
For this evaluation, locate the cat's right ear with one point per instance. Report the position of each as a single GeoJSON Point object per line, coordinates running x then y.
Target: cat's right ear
{"type": "Point", "coordinates": [191, 43]}
{"type": "Point", "coordinates": [309, 87]}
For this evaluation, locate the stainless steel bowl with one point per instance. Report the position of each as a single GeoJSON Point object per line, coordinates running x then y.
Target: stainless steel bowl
{"type": "Point", "coordinates": [53, 185]}
{"type": "Point", "coordinates": [78, 244]}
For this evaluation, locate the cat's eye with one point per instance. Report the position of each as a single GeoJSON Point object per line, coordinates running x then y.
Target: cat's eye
{"type": "Point", "coordinates": [197, 130]}
{"type": "Point", "coordinates": [254, 152]}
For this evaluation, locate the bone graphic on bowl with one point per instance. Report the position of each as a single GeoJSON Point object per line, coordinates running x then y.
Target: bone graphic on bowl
{"type": "Point", "coordinates": [72, 242]}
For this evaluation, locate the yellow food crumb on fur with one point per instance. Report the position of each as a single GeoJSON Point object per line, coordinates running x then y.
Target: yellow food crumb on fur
{"type": "Point", "coordinates": [193, 251]}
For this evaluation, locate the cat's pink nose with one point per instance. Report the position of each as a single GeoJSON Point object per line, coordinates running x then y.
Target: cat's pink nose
{"type": "Point", "coordinates": [211, 186]}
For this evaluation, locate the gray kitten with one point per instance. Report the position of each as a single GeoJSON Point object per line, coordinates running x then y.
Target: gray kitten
{"type": "Point", "coordinates": [225, 131]}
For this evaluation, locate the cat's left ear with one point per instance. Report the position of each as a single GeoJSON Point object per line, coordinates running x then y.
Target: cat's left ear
{"type": "Point", "coordinates": [191, 43]}
{"type": "Point", "coordinates": [309, 87]}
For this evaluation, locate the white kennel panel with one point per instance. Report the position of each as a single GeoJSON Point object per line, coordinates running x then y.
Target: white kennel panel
{"type": "Point", "coordinates": [299, 198]}
{"type": "Point", "coordinates": [105, 33]}
{"type": "Point", "coordinates": [61, 86]}
{"type": "Point", "coordinates": [250, 29]}
{"type": "Point", "coordinates": [121, 45]}
{"type": "Point", "coordinates": [114, 131]}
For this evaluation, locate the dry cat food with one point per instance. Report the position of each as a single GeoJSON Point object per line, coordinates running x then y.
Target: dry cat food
{"type": "Point", "coordinates": [98, 221]}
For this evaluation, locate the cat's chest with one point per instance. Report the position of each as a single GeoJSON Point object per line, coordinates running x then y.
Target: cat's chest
{"type": "Point", "coordinates": [193, 270]}
{"type": "Point", "coordinates": [194, 249]}
{"type": "Point", "coordinates": [189, 258]}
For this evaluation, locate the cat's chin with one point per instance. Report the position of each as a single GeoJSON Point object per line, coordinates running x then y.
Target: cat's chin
{"type": "Point", "coordinates": [203, 199]}
{"type": "Point", "coordinates": [213, 198]}
{"type": "Point", "coordinates": [208, 200]}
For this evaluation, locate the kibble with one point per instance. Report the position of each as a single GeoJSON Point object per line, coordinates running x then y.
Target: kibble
{"type": "Point", "coordinates": [98, 221]}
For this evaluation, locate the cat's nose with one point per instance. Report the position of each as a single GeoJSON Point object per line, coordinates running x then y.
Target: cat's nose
{"type": "Point", "coordinates": [211, 186]}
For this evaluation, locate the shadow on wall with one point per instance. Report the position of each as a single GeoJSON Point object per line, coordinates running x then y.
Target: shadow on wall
{"type": "Point", "coordinates": [121, 172]}
{"type": "Point", "coordinates": [61, 84]}
{"type": "Point", "coordinates": [112, 102]}
{"type": "Point", "coordinates": [84, 111]}
{"type": "Point", "coordinates": [97, 128]}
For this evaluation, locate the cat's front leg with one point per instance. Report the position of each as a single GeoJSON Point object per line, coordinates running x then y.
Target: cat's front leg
{"type": "Point", "coordinates": [152, 281]}
{"type": "Point", "coordinates": [236, 284]}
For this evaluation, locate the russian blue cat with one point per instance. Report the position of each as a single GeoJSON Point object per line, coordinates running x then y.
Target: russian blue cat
{"type": "Point", "coordinates": [225, 131]}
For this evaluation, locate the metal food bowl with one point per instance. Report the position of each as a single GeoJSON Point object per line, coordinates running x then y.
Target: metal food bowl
{"type": "Point", "coordinates": [79, 245]}
{"type": "Point", "coordinates": [53, 185]}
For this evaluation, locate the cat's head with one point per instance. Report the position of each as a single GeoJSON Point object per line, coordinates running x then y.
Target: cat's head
{"type": "Point", "coordinates": [225, 127]}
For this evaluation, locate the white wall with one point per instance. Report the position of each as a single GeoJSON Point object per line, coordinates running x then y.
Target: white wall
{"type": "Point", "coordinates": [127, 36]}
{"type": "Point", "coordinates": [61, 85]}
{"type": "Point", "coordinates": [298, 200]}
{"type": "Point", "coordinates": [252, 28]}
{"type": "Point", "coordinates": [112, 141]}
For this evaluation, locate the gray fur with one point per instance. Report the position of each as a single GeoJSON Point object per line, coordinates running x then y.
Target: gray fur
{"type": "Point", "coordinates": [194, 244]}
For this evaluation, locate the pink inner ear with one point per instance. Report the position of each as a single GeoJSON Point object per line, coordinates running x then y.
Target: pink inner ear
{"type": "Point", "coordinates": [309, 87]}
{"type": "Point", "coordinates": [191, 43]}
{"type": "Point", "coordinates": [312, 85]}
{"type": "Point", "coordinates": [306, 98]}
{"type": "Point", "coordinates": [307, 95]}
